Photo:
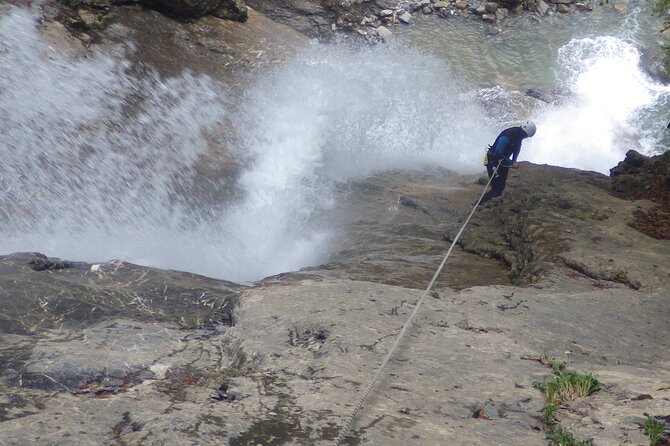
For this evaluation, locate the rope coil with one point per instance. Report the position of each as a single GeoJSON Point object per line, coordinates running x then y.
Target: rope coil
{"type": "Point", "coordinates": [380, 369]}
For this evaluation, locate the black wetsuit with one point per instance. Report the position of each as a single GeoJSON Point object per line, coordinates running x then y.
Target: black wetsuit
{"type": "Point", "coordinates": [505, 150]}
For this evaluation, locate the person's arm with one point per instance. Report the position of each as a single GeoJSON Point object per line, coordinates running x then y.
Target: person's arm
{"type": "Point", "coordinates": [515, 155]}
{"type": "Point", "coordinates": [503, 143]}
{"type": "Point", "coordinates": [517, 150]}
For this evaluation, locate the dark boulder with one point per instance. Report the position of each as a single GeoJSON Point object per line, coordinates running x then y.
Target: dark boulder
{"type": "Point", "coordinates": [631, 164]}
{"type": "Point", "coordinates": [193, 9]}
{"type": "Point", "coordinates": [232, 10]}
{"type": "Point", "coordinates": [179, 9]}
{"type": "Point", "coordinates": [640, 177]}
{"type": "Point", "coordinates": [553, 96]}
{"type": "Point", "coordinates": [307, 17]}
{"type": "Point", "coordinates": [652, 61]}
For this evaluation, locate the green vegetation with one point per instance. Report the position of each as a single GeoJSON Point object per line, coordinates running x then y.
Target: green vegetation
{"type": "Point", "coordinates": [568, 386]}
{"type": "Point", "coordinates": [563, 386]}
{"type": "Point", "coordinates": [548, 417]}
{"type": "Point", "coordinates": [101, 22]}
{"type": "Point", "coordinates": [559, 437]}
{"type": "Point", "coordinates": [558, 367]}
{"type": "Point", "coordinates": [654, 429]}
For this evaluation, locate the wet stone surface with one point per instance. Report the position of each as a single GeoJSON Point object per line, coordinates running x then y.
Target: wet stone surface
{"type": "Point", "coordinates": [39, 293]}
{"type": "Point", "coordinates": [102, 359]}
{"type": "Point", "coordinates": [97, 329]}
{"type": "Point", "coordinates": [592, 292]}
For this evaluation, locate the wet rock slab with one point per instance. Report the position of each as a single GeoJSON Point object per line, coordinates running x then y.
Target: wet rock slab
{"type": "Point", "coordinates": [555, 218]}
{"type": "Point", "coordinates": [392, 226]}
{"type": "Point", "coordinates": [97, 329]}
{"type": "Point", "coordinates": [106, 358]}
{"type": "Point", "coordinates": [292, 369]}
{"type": "Point", "coordinates": [40, 293]}
{"type": "Point", "coordinates": [175, 358]}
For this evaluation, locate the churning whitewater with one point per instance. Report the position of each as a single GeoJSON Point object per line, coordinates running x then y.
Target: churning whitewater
{"type": "Point", "coordinates": [612, 107]}
{"type": "Point", "coordinates": [99, 163]}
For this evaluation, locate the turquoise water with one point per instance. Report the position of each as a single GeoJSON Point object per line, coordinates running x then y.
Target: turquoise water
{"type": "Point", "coordinates": [522, 52]}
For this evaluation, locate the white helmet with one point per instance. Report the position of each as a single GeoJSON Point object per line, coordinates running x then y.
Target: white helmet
{"type": "Point", "coordinates": [529, 128]}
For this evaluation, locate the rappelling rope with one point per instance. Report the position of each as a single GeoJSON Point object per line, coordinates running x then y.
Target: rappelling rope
{"type": "Point", "coordinates": [378, 373]}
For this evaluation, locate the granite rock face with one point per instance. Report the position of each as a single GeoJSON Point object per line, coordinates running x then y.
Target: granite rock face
{"type": "Point", "coordinates": [291, 370]}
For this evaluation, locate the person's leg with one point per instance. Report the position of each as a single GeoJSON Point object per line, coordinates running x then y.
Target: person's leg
{"type": "Point", "coordinates": [488, 195]}
{"type": "Point", "coordinates": [498, 183]}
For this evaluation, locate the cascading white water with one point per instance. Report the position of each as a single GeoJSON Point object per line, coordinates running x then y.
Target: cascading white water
{"type": "Point", "coordinates": [332, 114]}
{"type": "Point", "coordinates": [97, 163]}
{"type": "Point", "coordinates": [91, 156]}
{"type": "Point", "coordinates": [613, 107]}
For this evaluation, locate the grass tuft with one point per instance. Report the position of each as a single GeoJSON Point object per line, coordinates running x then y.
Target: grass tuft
{"type": "Point", "coordinates": [568, 386]}
{"type": "Point", "coordinates": [548, 416]}
{"type": "Point", "coordinates": [654, 430]}
{"type": "Point", "coordinates": [557, 366]}
{"type": "Point", "coordinates": [563, 386]}
{"type": "Point", "coordinates": [560, 437]}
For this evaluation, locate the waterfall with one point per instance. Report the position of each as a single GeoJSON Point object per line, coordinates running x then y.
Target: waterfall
{"type": "Point", "coordinates": [613, 106]}
{"type": "Point", "coordinates": [608, 104]}
{"type": "Point", "coordinates": [100, 164]}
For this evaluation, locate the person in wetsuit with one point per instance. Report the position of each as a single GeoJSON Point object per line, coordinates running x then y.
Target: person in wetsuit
{"type": "Point", "coordinates": [505, 150]}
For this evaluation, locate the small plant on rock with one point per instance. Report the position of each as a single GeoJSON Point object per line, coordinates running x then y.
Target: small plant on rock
{"type": "Point", "coordinates": [559, 437]}
{"type": "Point", "coordinates": [654, 430]}
{"type": "Point", "coordinates": [563, 386]}
{"type": "Point", "coordinates": [568, 386]}
{"type": "Point", "coordinates": [548, 417]}
{"type": "Point", "coordinates": [557, 366]}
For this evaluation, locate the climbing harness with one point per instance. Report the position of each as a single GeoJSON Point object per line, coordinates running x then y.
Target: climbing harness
{"type": "Point", "coordinates": [378, 373]}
